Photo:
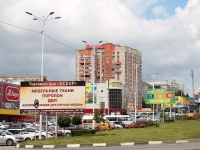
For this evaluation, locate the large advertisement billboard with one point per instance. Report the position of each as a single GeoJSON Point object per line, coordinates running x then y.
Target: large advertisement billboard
{"type": "Point", "coordinates": [179, 102]}
{"type": "Point", "coordinates": [52, 97]}
{"type": "Point", "coordinates": [159, 96]}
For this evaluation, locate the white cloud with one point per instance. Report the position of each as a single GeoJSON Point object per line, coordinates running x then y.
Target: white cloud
{"type": "Point", "coordinates": [159, 11]}
{"type": "Point", "coordinates": [169, 46]}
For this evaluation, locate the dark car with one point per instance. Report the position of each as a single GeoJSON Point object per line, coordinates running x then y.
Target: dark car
{"type": "Point", "coordinates": [15, 126]}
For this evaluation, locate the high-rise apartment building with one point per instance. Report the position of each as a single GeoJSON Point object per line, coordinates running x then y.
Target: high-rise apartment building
{"type": "Point", "coordinates": [112, 61]}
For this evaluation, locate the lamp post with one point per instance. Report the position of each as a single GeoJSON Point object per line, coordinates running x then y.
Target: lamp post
{"type": "Point", "coordinates": [136, 88]}
{"type": "Point", "coordinates": [43, 22]}
{"type": "Point", "coordinates": [93, 82]}
{"type": "Point", "coordinates": [153, 75]}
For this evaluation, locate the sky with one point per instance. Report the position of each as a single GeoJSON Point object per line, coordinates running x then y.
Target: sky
{"type": "Point", "coordinates": [166, 32]}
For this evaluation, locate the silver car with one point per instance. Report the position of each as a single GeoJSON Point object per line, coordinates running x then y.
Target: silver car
{"type": "Point", "coordinates": [10, 139]}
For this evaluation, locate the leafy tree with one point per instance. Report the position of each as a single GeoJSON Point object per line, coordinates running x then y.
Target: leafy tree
{"type": "Point", "coordinates": [76, 120]}
{"type": "Point", "coordinates": [99, 116]}
{"type": "Point", "coordinates": [64, 121]}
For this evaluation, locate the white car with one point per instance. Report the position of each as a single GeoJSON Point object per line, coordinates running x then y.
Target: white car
{"type": "Point", "coordinates": [2, 126]}
{"type": "Point", "coordinates": [10, 139]}
{"type": "Point", "coordinates": [117, 124]}
{"type": "Point", "coordinates": [33, 130]}
{"type": "Point", "coordinates": [24, 133]}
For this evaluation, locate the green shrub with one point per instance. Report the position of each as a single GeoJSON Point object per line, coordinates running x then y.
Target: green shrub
{"type": "Point", "coordinates": [82, 132]}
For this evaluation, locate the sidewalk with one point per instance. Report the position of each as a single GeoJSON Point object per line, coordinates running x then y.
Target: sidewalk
{"type": "Point", "coordinates": [109, 144]}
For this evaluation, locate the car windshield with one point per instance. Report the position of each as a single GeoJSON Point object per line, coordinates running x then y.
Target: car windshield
{"type": "Point", "coordinates": [7, 132]}
{"type": "Point", "coordinates": [24, 131]}
{"type": "Point", "coordinates": [39, 129]}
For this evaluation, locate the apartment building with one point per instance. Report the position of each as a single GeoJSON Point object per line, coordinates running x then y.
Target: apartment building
{"type": "Point", "coordinates": [112, 61]}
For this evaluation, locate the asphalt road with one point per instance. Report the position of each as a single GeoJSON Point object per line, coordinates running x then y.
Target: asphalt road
{"type": "Point", "coordinates": [183, 146]}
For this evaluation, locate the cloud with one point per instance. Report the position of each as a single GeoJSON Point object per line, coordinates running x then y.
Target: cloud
{"type": "Point", "coordinates": [159, 11]}
{"type": "Point", "coordinates": [169, 44]}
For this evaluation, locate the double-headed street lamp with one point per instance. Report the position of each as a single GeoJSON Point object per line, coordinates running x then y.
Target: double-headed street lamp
{"type": "Point", "coordinates": [153, 75]}
{"type": "Point", "coordinates": [93, 72]}
{"type": "Point", "coordinates": [43, 22]}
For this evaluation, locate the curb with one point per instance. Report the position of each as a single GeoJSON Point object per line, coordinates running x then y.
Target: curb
{"type": "Point", "coordinates": [107, 144]}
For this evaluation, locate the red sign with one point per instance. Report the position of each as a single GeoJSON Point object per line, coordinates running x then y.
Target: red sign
{"type": "Point", "coordinates": [11, 93]}
{"type": "Point", "coordinates": [169, 95]}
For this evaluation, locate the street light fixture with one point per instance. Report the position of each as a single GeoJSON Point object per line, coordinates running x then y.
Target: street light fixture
{"type": "Point", "coordinates": [153, 75]}
{"type": "Point", "coordinates": [42, 22]}
{"type": "Point", "coordinates": [93, 82]}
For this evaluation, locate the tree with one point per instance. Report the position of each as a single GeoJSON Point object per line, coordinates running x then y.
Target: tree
{"type": "Point", "coordinates": [64, 121]}
{"type": "Point", "coordinates": [99, 117]}
{"type": "Point", "coordinates": [76, 120]}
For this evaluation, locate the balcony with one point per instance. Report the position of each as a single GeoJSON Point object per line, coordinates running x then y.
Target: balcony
{"type": "Point", "coordinates": [117, 71]}
{"type": "Point", "coordinates": [117, 63]}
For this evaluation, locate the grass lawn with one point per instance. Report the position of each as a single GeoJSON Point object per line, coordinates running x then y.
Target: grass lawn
{"type": "Point", "coordinates": [179, 130]}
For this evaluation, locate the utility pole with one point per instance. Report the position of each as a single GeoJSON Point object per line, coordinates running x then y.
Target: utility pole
{"type": "Point", "coordinates": [192, 75]}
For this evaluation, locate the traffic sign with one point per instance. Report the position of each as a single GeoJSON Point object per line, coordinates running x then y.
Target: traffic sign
{"type": "Point", "coordinates": [36, 103]}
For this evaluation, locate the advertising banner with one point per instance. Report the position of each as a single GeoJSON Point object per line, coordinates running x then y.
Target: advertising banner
{"type": "Point", "coordinates": [159, 96]}
{"type": "Point", "coordinates": [11, 93]}
{"type": "Point", "coordinates": [197, 98]}
{"type": "Point", "coordinates": [179, 102]}
{"type": "Point", "coordinates": [90, 92]}
{"type": "Point", "coordinates": [52, 97]}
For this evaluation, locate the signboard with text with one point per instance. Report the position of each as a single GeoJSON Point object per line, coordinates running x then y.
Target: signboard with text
{"type": "Point", "coordinates": [159, 96]}
{"type": "Point", "coordinates": [53, 97]}
{"type": "Point", "coordinates": [11, 93]}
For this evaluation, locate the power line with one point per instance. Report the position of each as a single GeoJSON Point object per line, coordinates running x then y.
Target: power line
{"type": "Point", "coordinates": [36, 32]}
{"type": "Point", "coordinates": [59, 42]}
{"type": "Point", "coordinates": [19, 27]}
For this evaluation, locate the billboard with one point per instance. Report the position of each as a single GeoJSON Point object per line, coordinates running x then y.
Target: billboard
{"type": "Point", "coordinates": [89, 93]}
{"type": "Point", "coordinates": [179, 102]}
{"type": "Point", "coordinates": [11, 93]}
{"type": "Point", "coordinates": [159, 96]}
{"type": "Point", "coordinates": [197, 98]}
{"type": "Point", "coordinates": [54, 97]}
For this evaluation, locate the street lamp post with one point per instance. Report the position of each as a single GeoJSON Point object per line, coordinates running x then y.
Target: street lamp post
{"type": "Point", "coordinates": [43, 22]}
{"type": "Point", "coordinates": [136, 88]}
{"type": "Point", "coordinates": [93, 81]}
{"type": "Point", "coordinates": [153, 75]}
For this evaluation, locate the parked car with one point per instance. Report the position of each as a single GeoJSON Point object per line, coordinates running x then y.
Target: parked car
{"type": "Point", "coordinates": [33, 130]}
{"type": "Point", "coordinates": [15, 126]}
{"type": "Point", "coordinates": [2, 126]}
{"type": "Point", "coordinates": [10, 139]}
{"type": "Point", "coordinates": [64, 131]}
{"type": "Point", "coordinates": [24, 133]}
{"type": "Point", "coordinates": [59, 133]}
{"type": "Point", "coordinates": [117, 124]}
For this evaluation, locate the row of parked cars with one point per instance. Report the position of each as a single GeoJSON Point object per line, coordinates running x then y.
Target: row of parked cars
{"type": "Point", "coordinates": [12, 133]}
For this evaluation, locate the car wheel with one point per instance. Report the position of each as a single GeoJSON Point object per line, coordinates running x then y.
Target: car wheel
{"type": "Point", "coordinates": [67, 134]}
{"type": "Point", "coordinates": [43, 137]}
{"type": "Point", "coordinates": [9, 142]}
{"type": "Point", "coordinates": [27, 139]}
